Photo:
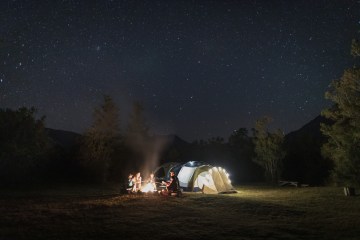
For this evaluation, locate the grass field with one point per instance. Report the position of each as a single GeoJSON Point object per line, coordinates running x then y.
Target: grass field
{"type": "Point", "coordinates": [255, 212]}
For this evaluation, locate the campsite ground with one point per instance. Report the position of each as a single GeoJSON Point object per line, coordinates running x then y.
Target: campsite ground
{"type": "Point", "coordinates": [255, 212]}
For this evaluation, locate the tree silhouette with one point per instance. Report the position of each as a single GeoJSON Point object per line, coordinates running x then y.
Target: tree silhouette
{"type": "Point", "coordinates": [101, 140]}
{"type": "Point", "coordinates": [137, 138]}
{"type": "Point", "coordinates": [242, 146]}
{"type": "Point", "coordinates": [23, 144]}
{"type": "Point", "coordinates": [269, 151]}
{"type": "Point", "coordinates": [343, 145]}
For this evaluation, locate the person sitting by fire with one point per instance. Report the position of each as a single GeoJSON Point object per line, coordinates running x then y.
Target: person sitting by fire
{"type": "Point", "coordinates": [137, 182]}
{"type": "Point", "coordinates": [173, 185]}
{"type": "Point", "coordinates": [130, 183]}
{"type": "Point", "coordinates": [151, 180]}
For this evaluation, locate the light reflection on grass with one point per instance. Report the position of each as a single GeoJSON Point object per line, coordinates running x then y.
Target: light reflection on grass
{"type": "Point", "coordinates": [255, 212]}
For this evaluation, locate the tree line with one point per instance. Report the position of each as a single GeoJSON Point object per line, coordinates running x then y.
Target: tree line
{"type": "Point", "coordinates": [105, 152]}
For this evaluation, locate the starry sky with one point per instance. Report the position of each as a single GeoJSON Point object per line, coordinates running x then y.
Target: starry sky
{"type": "Point", "coordinates": [201, 68]}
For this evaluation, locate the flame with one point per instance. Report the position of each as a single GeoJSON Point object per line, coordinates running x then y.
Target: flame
{"type": "Point", "coordinates": [148, 188]}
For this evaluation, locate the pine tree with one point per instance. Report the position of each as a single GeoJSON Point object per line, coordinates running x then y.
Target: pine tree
{"type": "Point", "coordinates": [101, 140]}
{"type": "Point", "coordinates": [343, 145]}
{"type": "Point", "coordinates": [137, 136]}
{"type": "Point", "coordinates": [269, 151]}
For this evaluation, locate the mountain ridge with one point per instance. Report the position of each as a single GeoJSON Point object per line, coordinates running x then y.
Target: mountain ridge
{"type": "Point", "coordinates": [68, 138]}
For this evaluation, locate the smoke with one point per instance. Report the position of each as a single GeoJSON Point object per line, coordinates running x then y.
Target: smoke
{"type": "Point", "coordinates": [146, 149]}
{"type": "Point", "coordinates": [147, 152]}
{"type": "Point", "coordinates": [154, 151]}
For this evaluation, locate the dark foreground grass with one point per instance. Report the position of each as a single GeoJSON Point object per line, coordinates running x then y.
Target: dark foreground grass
{"type": "Point", "coordinates": [252, 213]}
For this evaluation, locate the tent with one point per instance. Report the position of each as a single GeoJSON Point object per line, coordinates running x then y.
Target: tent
{"type": "Point", "coordinates": [197, 176]}
{"type": "Point", "coordinates": [162, 173]}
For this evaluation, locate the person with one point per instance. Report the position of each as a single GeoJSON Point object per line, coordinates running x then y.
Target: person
{"type": "Point", "coordinates": [137, 182]}
{"type": "Point", "coordinates": [152, 182]}
{"type": "Point", "coordinates": [130, 183]}
{"type": "Point", "coordinates": [173, 185]}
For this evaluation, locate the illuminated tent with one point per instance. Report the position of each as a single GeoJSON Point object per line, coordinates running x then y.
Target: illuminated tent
{"type": "Point", "coordinates": [197, 176]}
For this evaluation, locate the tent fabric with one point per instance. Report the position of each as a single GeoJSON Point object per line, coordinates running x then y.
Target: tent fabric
{"type": "Point", "coordinates": [198, 176]}
{"type": "Point", "coordinates": [163, 172]}
{"type": "Point", "coordinates": [185, 175]}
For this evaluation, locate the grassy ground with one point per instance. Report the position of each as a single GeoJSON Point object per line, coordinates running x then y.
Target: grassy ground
{"type": "Point", "coordinates": [255, 212]}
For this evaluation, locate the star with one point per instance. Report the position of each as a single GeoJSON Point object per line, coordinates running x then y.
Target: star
{"type": "Point", "coordinates": [210, 60]}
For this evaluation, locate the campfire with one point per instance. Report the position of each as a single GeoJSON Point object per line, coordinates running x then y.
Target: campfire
{"type": "Point", "coordinates": [149, 187]}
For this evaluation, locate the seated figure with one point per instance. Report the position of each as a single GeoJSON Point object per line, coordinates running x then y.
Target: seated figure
{"type": "Point", "coordinates": [173, 185]}
{"type": "Point", "coordinates": [130, 183]}
{"type": "Point", "coordinates": [137, 183]}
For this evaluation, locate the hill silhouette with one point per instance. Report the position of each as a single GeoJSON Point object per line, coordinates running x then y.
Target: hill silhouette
{"type": "Point", "coordinates": [68, 139]}
{"type": "Point", "coordinates": [64, 139]}
{"type": "Point", "coordinates": [304, 162]}
{"type": "Point", "coordinates": [311, 128]}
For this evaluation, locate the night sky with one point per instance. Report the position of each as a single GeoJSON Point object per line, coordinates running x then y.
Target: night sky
{"type": "Point", "coordinates": [201, 68]}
